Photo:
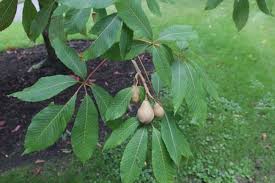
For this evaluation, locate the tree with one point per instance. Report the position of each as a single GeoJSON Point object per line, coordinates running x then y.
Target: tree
{"type": "Point", "coordinates": [122, 35]}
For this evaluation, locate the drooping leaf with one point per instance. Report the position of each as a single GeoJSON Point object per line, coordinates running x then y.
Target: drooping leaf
{"type": "Point", "coordinates": [211, 4]}
{"type": "Point", "coordinates": [7, 12]}
{"type": "Point", "coordinates": [174, 140]}
{"type": "Point", "coordinates": [162, 60]}
{"type": "Point", "coordinates": [80, 4]}
{"type": "Point", "coordinates": [119, 104]}
{"type": "Point", "coordinates": [48, 125]}
{"type": "Point", "coordinates": [240, 13]}
{"type": "Point", "coordinates": [178, 33]}
{"type": "Point", "coordinates": [126, 40]}
{"type": "Point", "coordinates": [122, 133]}
{"type": "Point", "coordinates": [163, 166]}
{"type": "Point", "coordinates": [103, 99]}
{"type": "Point", "coordinates": [134, 156]}
{"type": "Point", "coordinates": [107, 30]}
{"type": "Point", "coordinates": [85, 130]}
{"type": "Point", "coordinates": [45, 88]}
{"type": "Point", "coordinates": [132, 14]}
{"type": "Point", "coordinates": [67, 55]}
{"type": "Point", "coordinates": [187, 84]}
{"type": "Point", "coordinates": [29, 13]}
{"type": "Point", "coordinates": [40, 21]}
{"type": "Point", "coordinates": [265, 6]}
{"type": "Point", "coordinates": [154, 7]}
{"type": "Point", "coordinates": [76, 20]}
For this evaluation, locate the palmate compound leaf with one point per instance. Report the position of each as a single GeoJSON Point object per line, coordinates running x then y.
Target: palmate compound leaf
{"type": "Point", "coordinates": [134, 156]}
{"type": "Point", "coordinates": [162, 60]}
{"type": "Point", "coordinates": [122, 133]}
{"type": "Point", "coordinates": [240, 13]}
{"type": "Point", "coordinates": [80, 4]}
{"type": "Point", "coordinates": [103, 99]}
{"type": "Point", "coordinates": [67, 55]}
{"type": "Point", "coordinates": [107, 31]}
{"type": "Point", "coordinates": [163, 166]}
{"type": "Point", "coordinates": [7, 12]}
{"type": "Point", "coordinates": [119, 104]}
{"type": "Point", "coordinates": [132, 14]}
{"type": "Point", "coordinates": [85, 130]}
{"type": "Point", "coordinates": [187, 84]}
{"type": "Point", "coordinates": [45, 88]}
{"type": "Point", "coordinates": [174, 140]}
{"type": "Point", "coordinates": [48, 125]}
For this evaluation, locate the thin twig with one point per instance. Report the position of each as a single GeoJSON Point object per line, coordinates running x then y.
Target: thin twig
{"type": "Point", "coordinates": [146, 74]}
{"type": "Point", "coordinates": [92, 73]}
{"type": "Point", "coordinates": [143, 80]}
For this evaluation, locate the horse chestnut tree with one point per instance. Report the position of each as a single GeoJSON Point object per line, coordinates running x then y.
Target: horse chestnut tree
{"type": "Point", "coordinates": [121, 34]}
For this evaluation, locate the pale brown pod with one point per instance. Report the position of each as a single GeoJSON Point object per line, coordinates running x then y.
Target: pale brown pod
{"type": "Point", "coordinates": [135, 94]}
{"type": "Point", "coordinates": [145, 113]}
{"type": "Point", "coordinates": [158, 110]}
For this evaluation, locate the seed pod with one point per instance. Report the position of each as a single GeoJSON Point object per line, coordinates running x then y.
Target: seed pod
{"type": "Point", "coordinates": [158, 110]}
{"type": "Point", "coordinates": [135, 93]}
{"type": "Point", "coordinates": [145, 113]}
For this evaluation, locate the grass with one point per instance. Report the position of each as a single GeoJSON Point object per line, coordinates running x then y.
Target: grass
{"type": "Point", "coordinates": [229, 147]}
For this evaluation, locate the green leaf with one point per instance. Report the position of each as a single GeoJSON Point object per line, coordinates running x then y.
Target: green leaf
{"type": "Point", "coordinates": [163, 166]}
{"type": "Point", "coordinates": [174, 140]}
{"type": "Point", "coordinates": [40, 21]}
{"type": "Point", "coordinates": [107, 30]}
{"type": "Point", "coordinates": [29, 13]}
{"type": "Point", "coordinates": [76, 20]}
{"type": "Point", "coordinates": [119, 104]}
{"type": "Point", "coordinates": [103, 99]}
{"type": "Point", "coordinates": [69, 57]}
{"type": "Point", "coordinates": [132, 14]}
{"type": "Point", "coordinates": [85, 130]}
{"type": "Point", "coordinates": [80, 4]}
{"type": "Point", "coordinates": [137, 48]}
{"type": "Point", "coordinates": [212, 4]}
{"type": "Point", "coordinates": [154, 7]}
{"type": "Point", "coordinates": [134, 156]}
{"type": "Point", "coordinates": [157, 83]}
{"type": "Point", "coordinates": [7, 13]}
{"type": "Point", "coordinates": [240, 13]}
{"type": "Point", "coordinates": [161, 60]}
{"type": "Point", "coordinates": [190, 88]}
{"type": "Point", "coordinates": [178, 33]}
{"type": "Point", "coordinates": [126, 40]}
{"type": "Point", "coordinates": [122, 133]}
{"type": "Point", "coordinates": [100, 13]}
{"type": "Point", "coordinates": [48, 125]}
{"type": "Point", "coordinates": [265, 6]}
{"type": "Point", "coordinates": [45, 88]}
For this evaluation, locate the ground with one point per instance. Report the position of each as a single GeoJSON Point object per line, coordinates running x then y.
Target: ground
{"type": "Point", "coordinates": [236, 143]}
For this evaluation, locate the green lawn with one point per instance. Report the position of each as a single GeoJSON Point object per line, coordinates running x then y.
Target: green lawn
{"type": "Point", "coordinates": [229, 147]}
